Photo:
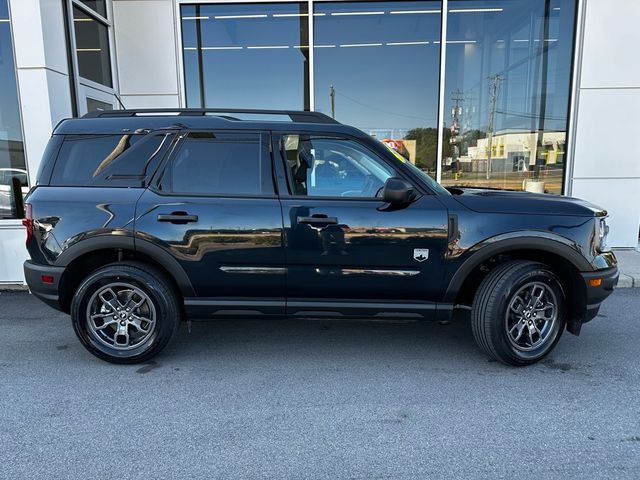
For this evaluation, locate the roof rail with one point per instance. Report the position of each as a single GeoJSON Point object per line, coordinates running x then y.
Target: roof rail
{"type": "Point", "coordinates": [294, 115]}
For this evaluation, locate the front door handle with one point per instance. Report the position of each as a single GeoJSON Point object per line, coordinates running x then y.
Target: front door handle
{"type": "Point", "coordinates": [318, 219]}
{"type": "Point", "coordinates": [179, 218]}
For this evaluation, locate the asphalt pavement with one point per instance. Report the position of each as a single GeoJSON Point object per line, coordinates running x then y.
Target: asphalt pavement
{"type": "Point", "coordinates": [318, 399]}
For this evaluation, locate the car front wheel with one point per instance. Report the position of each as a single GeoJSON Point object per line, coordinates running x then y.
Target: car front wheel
{"type": "Point", "coordinates": [518, 312]}
{"type": "Point", "coordinates": [125, 312]}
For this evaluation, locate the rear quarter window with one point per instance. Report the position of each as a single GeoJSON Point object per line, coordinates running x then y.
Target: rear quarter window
{"type": "Point", "coordinates": [108, 160]}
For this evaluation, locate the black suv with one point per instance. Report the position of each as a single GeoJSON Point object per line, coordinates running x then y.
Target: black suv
{"type": "Point", "coordinates": [141, 219]}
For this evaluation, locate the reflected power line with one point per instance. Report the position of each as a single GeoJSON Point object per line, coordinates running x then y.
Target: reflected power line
{"type": "Point", "coordinates": [378, 109]}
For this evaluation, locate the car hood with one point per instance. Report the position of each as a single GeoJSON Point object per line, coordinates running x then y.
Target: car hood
{"type": "Point", "coordinates": [507, 201]}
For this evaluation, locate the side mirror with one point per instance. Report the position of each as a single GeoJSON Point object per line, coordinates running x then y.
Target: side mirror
{"type": "Point", "coordinates": [397, 191]}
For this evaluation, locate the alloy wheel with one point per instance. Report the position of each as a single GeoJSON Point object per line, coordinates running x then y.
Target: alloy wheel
{"type": "Point", "coordinates": [121, 316]}
{"type": "Point", "coordinates": [531, 316]}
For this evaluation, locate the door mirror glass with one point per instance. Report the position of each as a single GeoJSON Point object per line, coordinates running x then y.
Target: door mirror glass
{"type": "Point", "coordinates": [397, 191]}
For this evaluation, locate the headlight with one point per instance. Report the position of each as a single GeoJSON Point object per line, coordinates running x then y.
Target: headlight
{"type": "Point", "coordinates": [602, 230]}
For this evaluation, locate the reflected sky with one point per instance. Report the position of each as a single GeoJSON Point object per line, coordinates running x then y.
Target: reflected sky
{"type": "Point", "coordinates": [383, 60]}
{"type": "Point", "coordinates": [250, 56]}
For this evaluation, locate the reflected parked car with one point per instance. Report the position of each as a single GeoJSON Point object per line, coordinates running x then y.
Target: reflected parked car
{"type": "Point", "coordinates": [6, 201]}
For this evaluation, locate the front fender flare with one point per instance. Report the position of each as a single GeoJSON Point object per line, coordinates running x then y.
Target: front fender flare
{"type": "Point", "coordinates": [540, 241]}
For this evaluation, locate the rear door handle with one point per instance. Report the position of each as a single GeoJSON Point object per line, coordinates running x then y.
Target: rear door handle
{"type": "Point", "coordinates": [177, 217]}
{"type": "Point", "coordinates": [318, 220]}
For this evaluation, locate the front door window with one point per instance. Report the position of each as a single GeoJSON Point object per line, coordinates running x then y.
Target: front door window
{"type": "Point", "coordinates": [333, 167]}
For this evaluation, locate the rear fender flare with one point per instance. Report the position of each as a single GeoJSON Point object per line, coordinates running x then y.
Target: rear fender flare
{"type": "Point", "coordinates": [128, 242]}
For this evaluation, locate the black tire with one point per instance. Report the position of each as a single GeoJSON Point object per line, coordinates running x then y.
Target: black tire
{"type": "Point", "coordinates": [495, 323]}
{"type": "Point", "coordinates": [157, 319]}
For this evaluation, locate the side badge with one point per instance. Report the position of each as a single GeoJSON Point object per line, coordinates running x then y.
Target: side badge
{"type": "Point", "coordinates": [420, 254]}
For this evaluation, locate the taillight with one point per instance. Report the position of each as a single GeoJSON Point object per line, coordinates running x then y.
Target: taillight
{"type": "Point", "coordinates": [27, 221]}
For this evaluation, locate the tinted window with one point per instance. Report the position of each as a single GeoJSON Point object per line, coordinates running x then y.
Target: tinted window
{"type": "Point", "coordinates": [219, 164]}
{"type": "Point", "coordinates": [99, 160]}
{"type": "Point", "coordinates": [333, 167]}
{"type": "Point", "coordinates": [92, 48]}
{"type": "Point", "coordinates": [97, 5]}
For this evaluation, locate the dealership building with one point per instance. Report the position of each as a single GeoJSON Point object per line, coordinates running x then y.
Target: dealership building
{"type": "Point", "coordinates": [541, 95]}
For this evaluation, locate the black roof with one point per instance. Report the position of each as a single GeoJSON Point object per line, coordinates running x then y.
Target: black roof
{"type": "Point", "coordinates": [119, 121]}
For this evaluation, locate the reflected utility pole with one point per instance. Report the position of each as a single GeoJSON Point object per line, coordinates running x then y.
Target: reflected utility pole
{"type": "Point", "coordinates": [332, 95]}
{"type": "Point", "coordinates": [494, 89]}
{"type": "Point", "coordinates": [457, 96]}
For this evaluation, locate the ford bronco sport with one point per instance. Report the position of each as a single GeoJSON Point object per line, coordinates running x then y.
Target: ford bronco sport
{"type": "Point", "coordinates": [142, 219]}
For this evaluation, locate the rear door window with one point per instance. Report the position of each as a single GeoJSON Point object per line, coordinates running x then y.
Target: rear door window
{"type": "Point", "coordinates": [108, 160]}
{"type": "Point", "coordinates": [219, 164]}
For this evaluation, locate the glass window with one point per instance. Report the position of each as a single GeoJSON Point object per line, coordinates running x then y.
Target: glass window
{"type": "Point", "coordinates": [92, 48]}
{"type": "Point", "coordinates": [333, 167]}
{"type": "Point", "coordinates": [377, 67]}
{"type": "Point", "coordinates": [508, 70]}
{"type": "Point", "coordinates": [97, 105]}
{"type": "Point", "coordinates": [94, 160]}
{"type": "Point", "coordinates": [98, 6]}
{"type": "Point", "coordinates": [219, 164]}
{"type": "Point", "coordinates": [246, 55]}
{"type": "Point", "coordinates": [12, 159]}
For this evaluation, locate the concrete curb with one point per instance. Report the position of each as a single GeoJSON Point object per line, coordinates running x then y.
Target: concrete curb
{"type": "Point", "coordinates": [629, 265]}
{"type": "Point", "coordinates": [627, 281]}
{"type": "Point", "coordinates": [13, 287]}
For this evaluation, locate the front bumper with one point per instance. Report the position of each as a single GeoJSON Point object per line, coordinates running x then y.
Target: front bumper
{"type": "Point", "coordinates": [599, 285]}
{"type": "Point", "coordinates": [47, 291]}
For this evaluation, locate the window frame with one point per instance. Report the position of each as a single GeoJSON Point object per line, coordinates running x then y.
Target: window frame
{"type": "Point", "coordinates": [265, 156]}
{"type": "Point", "coordinates": [96, 90]}
{"type": "Point", "coordinates": [283, 173]}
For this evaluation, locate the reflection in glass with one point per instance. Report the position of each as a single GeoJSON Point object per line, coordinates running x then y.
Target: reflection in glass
{"type": "Point", "coordinates": [508, 68]}
{"type": "Point", "coordinates": [94, 105]}
{"type": "Point", "coordinates": [377, 68]}
{"type": "Point", "coordinates": [333, 167]}
{"type": "Point", "coordinates": [246, 55]}
{"type": "Point", "coordinates": [12, 159]}
{"type": "Point", "coordinates": [92, 48]}
{"type": "Point", "coordinates": [98, 6]}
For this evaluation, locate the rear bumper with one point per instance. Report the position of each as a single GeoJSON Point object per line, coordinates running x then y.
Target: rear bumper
{"type": "Point", "coordinates": [598, 293]}
{"type": "Point", "coordinates": [47, 292]}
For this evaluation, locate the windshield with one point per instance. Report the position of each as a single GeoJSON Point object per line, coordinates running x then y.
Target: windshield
{"type": "Point", "coordinates": [435, 186]}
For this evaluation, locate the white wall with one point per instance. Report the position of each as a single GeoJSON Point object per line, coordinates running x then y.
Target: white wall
{"type": "Point", "coordinates": [145, 38]}
{"type": "Point", "coordinates": [606, 155]}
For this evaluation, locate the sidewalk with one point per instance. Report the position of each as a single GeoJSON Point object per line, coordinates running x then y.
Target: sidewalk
{"type": "Point", "coordinates": [629, 265]}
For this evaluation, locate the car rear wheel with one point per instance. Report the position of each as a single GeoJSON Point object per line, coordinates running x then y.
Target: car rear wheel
{"type": "Point", "coordinates": [518, 312]}
{"type": "Point", "coordinates": [125, 312]}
